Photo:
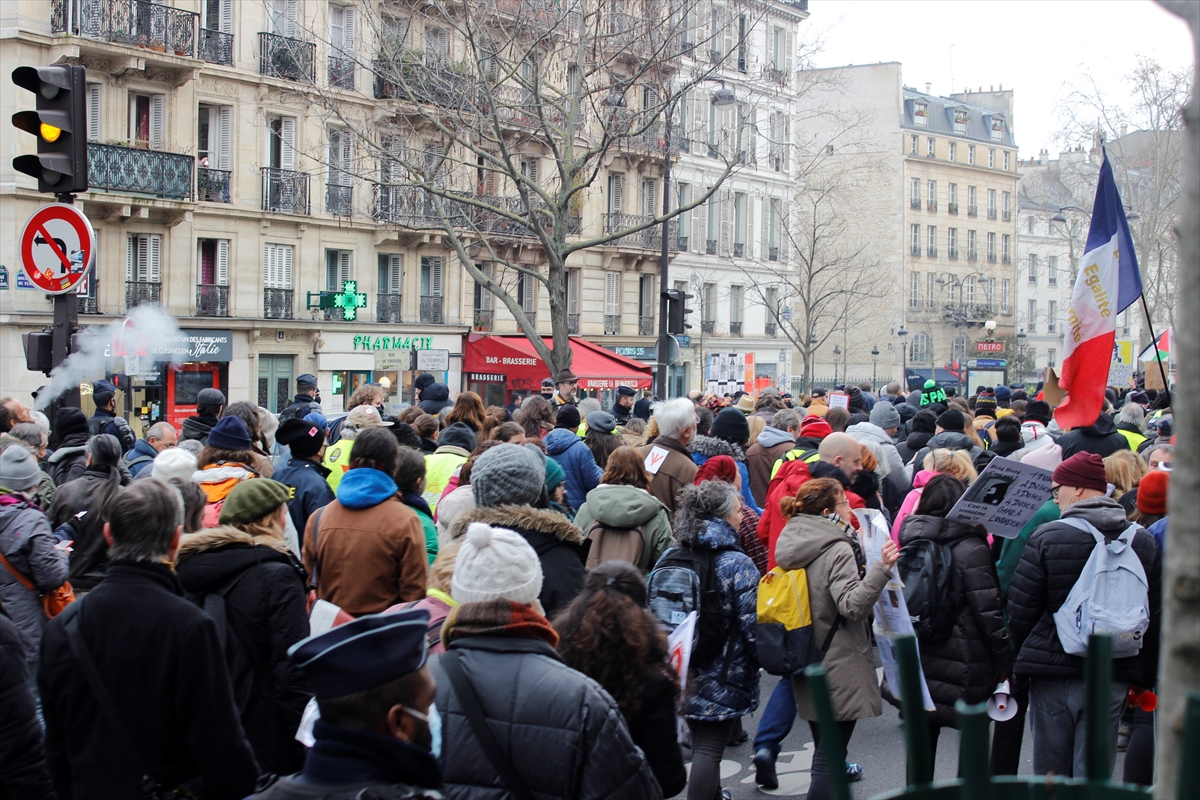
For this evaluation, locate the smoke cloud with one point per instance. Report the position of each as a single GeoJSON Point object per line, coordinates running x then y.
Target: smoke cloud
{"type": "Point", "coordinates": [133, 336]}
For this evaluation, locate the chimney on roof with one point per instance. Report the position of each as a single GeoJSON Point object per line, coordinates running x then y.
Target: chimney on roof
{"type": "Point", "coordinates": [1124, 129]}
{"type": "Point", "coordinates": [991, 88]}
{"type": "Point", "coordinates": [1002, 87]}
{"type": "Point", "coordinates": [928, 87]}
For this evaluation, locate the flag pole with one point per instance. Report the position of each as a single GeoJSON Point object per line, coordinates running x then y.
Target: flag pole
{"type": "Point", "coordinates": [1154, 338]}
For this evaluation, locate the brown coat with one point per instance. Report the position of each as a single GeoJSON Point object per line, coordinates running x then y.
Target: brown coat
{"type": "Point", "coordinates": [367, 559]}
{"type": "Point", "coordinates": [677, 471]}
{"type": "Point", "coordinates": [817, 408]}
{"type": "Point", "coordinates": [834, 587]}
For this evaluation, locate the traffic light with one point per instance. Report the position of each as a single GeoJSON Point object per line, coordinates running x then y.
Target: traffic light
{"type": "Point", "coordinates": [60, 125]}
{"type": "Point", "coordinates": [677, 310]}
{"type": "Point", "coordinates": [37, 350]}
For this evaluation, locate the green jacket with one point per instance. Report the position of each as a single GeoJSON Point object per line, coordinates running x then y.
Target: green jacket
{"type": "Point", "coordinates": [1010, 551]}
{"type": "Point", "coordinates": [627, 507]}
{"type": "Point", "coordinates": [431, 540]}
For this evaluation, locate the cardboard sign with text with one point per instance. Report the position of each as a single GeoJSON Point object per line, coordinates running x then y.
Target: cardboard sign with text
{"type": "Point", "coordinates": [839, 400]}
{"type": "Point", "coordinates": [1004, 497]}
{"type": "Point", "coordinates": [1052, 393]}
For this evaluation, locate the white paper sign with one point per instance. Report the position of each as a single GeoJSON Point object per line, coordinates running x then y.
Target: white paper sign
{"type": "Point", "coordinates": [679, 652]}
{"type": "Point", "coordinates": [872, 533]}
{"type": "Point", "coordinates": [655, 458]}
{"type": "Point", "coordinates": [892, 620]}
{"type": "Point", "coordinates": [1004, 497]}
{"type": "Point", "coordinates": [839, 400]}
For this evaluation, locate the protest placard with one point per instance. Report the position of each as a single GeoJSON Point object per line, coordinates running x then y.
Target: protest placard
{"type": "Point", "coordinates": [892, 620]}
{"type": "Point", "coordinates": [839, 400]}
{"type": "Point", "coordinates": [1004, 497]}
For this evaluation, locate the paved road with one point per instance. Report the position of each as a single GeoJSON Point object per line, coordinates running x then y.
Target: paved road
{"type": "Point", "coordinates": [877, 744]}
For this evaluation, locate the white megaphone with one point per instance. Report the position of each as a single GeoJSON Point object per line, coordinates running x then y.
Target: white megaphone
{"type": "Point", "coordinates": [1001, 706]}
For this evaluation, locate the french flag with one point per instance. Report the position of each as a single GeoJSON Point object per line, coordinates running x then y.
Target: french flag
{"type": "Point", "coordinates": [1109, 282]}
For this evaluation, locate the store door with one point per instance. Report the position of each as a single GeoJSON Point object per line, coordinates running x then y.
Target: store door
{"type": "Point", "coordinates": [677, 380]}
{"type": "Point", "coordinates": [275, 378]}
{"type": "Point", "coordinates": [184, 385]}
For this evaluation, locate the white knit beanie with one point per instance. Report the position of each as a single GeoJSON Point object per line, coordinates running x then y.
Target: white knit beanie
{"type": "Point", "coordinates": [173, 463]}
{"type": "Point", "coordinates": [495, 564]}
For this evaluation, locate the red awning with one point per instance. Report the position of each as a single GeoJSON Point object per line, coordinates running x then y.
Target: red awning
{"type": "Point", "coordinates": [513, 361]}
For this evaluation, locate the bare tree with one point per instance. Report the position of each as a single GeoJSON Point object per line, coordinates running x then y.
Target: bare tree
{"type": "Point", "coordinates": [496, 120]}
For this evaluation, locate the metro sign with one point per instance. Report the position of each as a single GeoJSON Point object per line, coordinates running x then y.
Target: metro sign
{"type": "Point", "coordinates": [989, 347]}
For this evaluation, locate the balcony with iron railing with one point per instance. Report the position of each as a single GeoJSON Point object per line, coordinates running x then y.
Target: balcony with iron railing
{"type": "Point", "coordinates": [710, 247]}
{"type": "Point", "coordinates": [914, 203]}
{"type": "Point", "coordinates": [432, 83]}
{"type": "Point", "coordinates": [681, 243]}
{"type": "Point", "coordinates": [215, 47]}
{"type": "Point", "coordinates": [573, 323]}
{"type": "Point", "coordinates": [339, 199]}
{"type": "Point", "coordinates": [739, 249]}
{"type": "Point", "coordinates": [931, 205]}
{"type": "Point", "coordinates": [483, 319]}
{"type": "Point", "coordinates": [277, 303]}
{"type": "Point", "coordinates": [1006, 259]}
{"type": "Point", "coordinates": [212, 185]}
{"type": "Point", "coordinates": [972, 255]}
{"type": "Point", "coordinates": [646, 325]}
{"type": "Point", "coordinates": [285, 191]}
{"type": "Point", "coordinates": [387, 307]}
{"type": "Point", "coordinates": [138, 292]}
{"type": "Point", "coordinates": [290, 59]}
{"type": "Point", "coordinates": [991, 213]}
{"type": "Point", "coordinates": [141, 23]}
{"type": "Point", "coordinates": [413, 207]}
{"type": "Point", "coordinates": [991, 257]}
{"type": "Point", "coordinates": [131, 169]}
{"type": "Point", "coordinates": [915, 250]}
{"type": "Point", "coordinates": [612, 324]}
{"type": "Point", "coordinates": [648, 238]}
{"type": "Point", "coordinates": [735, 328]}
{"type": "Point", "coordinates": [931, 251]}
{"type": "Point", "coordinates": [773, 253]}
{"type": "Point", "coordinates": [1006, 216]}
{"type": "Point", "coordinates": [952, 253]}
{"type": "Point", "coordinates": [708, 326]}
{"type": "Point", "coordinates": [341, 72]}
{"type": "Point", "coordinates": [212, 300]}
{"type": "Point", "coordinates": [769, 329]}
{"type": "Point", "coordinates": [88, 304]}
{"type": "Point", "coordinates": [952, 208]}
{"type": "Point", "coordinates": [431, 309]}
{"type": "Point", "coordinates": [972, 211]}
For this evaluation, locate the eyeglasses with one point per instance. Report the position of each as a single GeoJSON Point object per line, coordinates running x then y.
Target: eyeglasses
{"type": "Point", "coordinates": [1054, 490]}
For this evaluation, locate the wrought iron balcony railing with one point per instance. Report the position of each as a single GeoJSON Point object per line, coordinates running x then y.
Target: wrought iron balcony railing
{"type": "Point", "coordinates": [772, 254]}
{"type": "Point", "coordinates": [681, 243]}
{"type": "Point", "coordinates": [646, 325]}
{"type": "Point", "coordinates": [212, 300]}
{"type": "Point", "coordinates": [739, 249]}
{"type": "Point", "coordinates": [972, 211]}
{"type": "Point", "coordinates": [387, 307]}
{"type": "Point", "coordinates": [277, 303]}
{"type": "Point", "coordinates": [88, 304]}
{"type": "Point", "coordinates": [572, 323]}
{"type": "Point", "coordinates": [931, 251]}
{"type": "Point", "coordinates": [212, 185]}
{"type": "Point", "coordinates": [483, 319]}
{"type": "Point", "coordinates": [735, 328]}
{"type": "Point", "coordinates": [215, 47]}
{"type": "Point", "coordinates": [914, 203]}
{"type": "Point", "coordinates": [138, 292]}
{"type": "Point", "coordinates": [291, 59]}
{"type": "Point", "coordinates": [431, 309]}
{"type": "Point", "coordinates": [991, 213]}
{"type": "Point", "coordinates": [1006, 259]}
{"type": "Point", "coordinates": [131, 169]}
{"type": "Point", "coordinates": [432, 83]}
{"type": "Point", "coordinates": [285, 191]}
{"type": "Point", "coordinates": [710, 247]}
{"type": "Point", "coordinates": [612, 324]}
{"type": "Point", "coordinates": [972, 255]}
{"type": "Point", "coordinates": [915, 249]}
{"type": "Point", "coordinates": [1007, 216]}
{"type": "Point", "coordinates": [952, 208]}
{"type": "Point", "coordinates": [341, 72]}
{"type": "Point", "coordinates": [708, 326]}
{"type": "Point", "coordinates": [137, 22]}
{"type": "Point", "coordinates": [339, 200]}
{"type": "Point", "coordinates": [931, 205]}
{"type": "Point", "coordinates": [952, 252]}
{"type": "Point", "coordinates": [413, 207]}
{"type": "Point", "coordinates": [648, 238]}
{"type": "Point", "coordinates": [769, 329]}
{"type": "Point", "coordinates": [991, 257]}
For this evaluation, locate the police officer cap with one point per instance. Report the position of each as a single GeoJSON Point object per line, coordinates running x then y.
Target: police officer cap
{"type": "Point", "coordinates": [626, 391]}
{"type": "Point", "coordinates": [360, 655]}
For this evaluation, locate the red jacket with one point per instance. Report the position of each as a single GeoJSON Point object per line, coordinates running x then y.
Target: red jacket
{"type": "Point", "coordinates": [791, 476]}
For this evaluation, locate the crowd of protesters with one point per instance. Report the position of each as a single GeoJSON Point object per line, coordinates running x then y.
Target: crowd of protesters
{"type": "Point", "coordinates": [159, 595]}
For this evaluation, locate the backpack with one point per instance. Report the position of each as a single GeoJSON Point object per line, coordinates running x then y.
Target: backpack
{"type": "Point", "coordinates": [241, 673]}
{"type": "Point", "coordinates": [784, 633]}
{"type": "Point", "coordinates": [925, 568]}
{"type": "Point", "coordinates": [141, 458]}
{"type": "Point", "coordinates": [685, 580]}
{"type": "Point", "coordinates": [1111, 596]}
{"type": "Point", "coordinates": [125, 434]}
{"type": "Point", "coordinates": [614, 543]}
{"type": "Point", "coordinates": [806, 456]}
{"type": "Point", "coordinates": [298, 411]}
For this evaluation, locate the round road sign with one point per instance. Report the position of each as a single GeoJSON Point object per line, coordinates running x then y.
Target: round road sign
{"type": "Point", "coordinates": [57, 247]}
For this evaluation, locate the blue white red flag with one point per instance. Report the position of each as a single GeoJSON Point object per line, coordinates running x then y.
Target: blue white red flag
{"type": "Point", "coordinates": [1108, 282]}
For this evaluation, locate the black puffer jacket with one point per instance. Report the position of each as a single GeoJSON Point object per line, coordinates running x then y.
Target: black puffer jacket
{"type": "Point", "coordinates": [265, 614]}
{"type": "Point", "coordinates": [559, 545]}
{"type": "Point", "coordinates": [565, 734]}
{"type": "Point", "coordinates": [950, 440]}
{"type": "Point", "coordinates": [434, 398]}
{"type": "Point", "coordinates": [68, 460]}
{"type": "Point", "coordinates": [1050, 564]}
{"type": "Point", "coordinates": [89, 554]}
{"type": "Point", "coordinates": [1101, 438]}
{"type": "Point", "coordinates": [23, 770]}
{"type": "Point", "coordinates": [909, 447]}
{"type": "Point", "coordinates": [198, 428]}
{"type": "Point", "coordinates": [969, 664]}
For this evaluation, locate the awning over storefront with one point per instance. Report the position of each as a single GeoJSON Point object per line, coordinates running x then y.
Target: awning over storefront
{"type": "Point", "coordinates": [511, 360]}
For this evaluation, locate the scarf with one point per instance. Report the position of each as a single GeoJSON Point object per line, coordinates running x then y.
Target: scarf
{"type": "Point", "coordinates": [416, 502]}
{"type": "Point", "coordinates": [497, 618]}
{"type": "Point", "coordinates": [860, 558]}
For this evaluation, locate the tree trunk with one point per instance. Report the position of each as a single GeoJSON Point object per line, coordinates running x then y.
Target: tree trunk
{"type": "Point", "coordinates": [1178, 670]}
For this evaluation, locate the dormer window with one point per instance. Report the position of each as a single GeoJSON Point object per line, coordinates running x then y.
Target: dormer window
{"type": "Point", "coordinates": [921, 114]}
{"type": "Point", "coordinates": [998, 128]}
{"type": "Point", "coordinates": [960, 120]}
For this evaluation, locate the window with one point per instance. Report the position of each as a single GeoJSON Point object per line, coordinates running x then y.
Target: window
{"type": "Point", "coordinates": [781, 135]}
{"type": "Point", "coordinates": [970, 154]}
{"type": "Point", "coordinates": [646, 300]}
{"type": "Point", "coordinates": [931, 194]}
{"type": "Point", "coordinates": [779, 52]}
{"type": "Point", "coordinates": [915, 193]}
{"type": "Point", "coordinates": [1006, 157]}
{"type": "Point", "coordinates": [915, 243]}
{"type": "Point", "coordinates": [998, 128]}
{"type": "Point", "coordinates": [772, 312]}
{"type": "Point", "coordinates": [992, 158]}
{"type": "Point", "coordinates": [920, 348]}
{"type": "Point", "coordinates": [916, 140]}
{"type": "Point", "coordinates": [1006, 205]}
{"type": "Point", "coordinates": [1052, 316]}
{"type": "Point", "coordinates": [1031, 225]}
{"type": "Point", "coordinates": [527, 295]}
{"type": "Point", "coordinates": [744, 132]}
{"type": "Point", "coordinates": [929, 147]}
{"type": "Point", "coordinates": [991, 203]}
{"type": "Point", "coordinates": [914, 291]}
{"type": "Point", "coordinates": [683, 196]}
{"type": "Point", "coordinates": [711, 224]}
{"type": "Point", "coordinates": [93, 112]}
{"type": "Point", "coordinates": [341, 31]}
{"type": "Point", "coordinates": [960, 120]}
{"type": "Point", "coordinates": [341, 167]}
{"type": "Point", "coordinates": [529, 169]}
{"type": "Point", "coordinates": [337, 269]}
{"type": "Point", "coordinates": [281, 143]}
{"type": "Point", "coordinates": [437, 46]}
{"type": "Point", "coordinates": [991, 246]}
{"type": "Point", "coordinates": [971, 251]}
{"type": "Point", "coordinates": [953, 151]}
{"type": "Point", "coordinates": [574, 281]}
{"type": "Point", "coordinates": [921, 114]}
{"type": "Point", "coordinates": [146, 113]}
{"type": "Point", "coordinates": [1033, 267]}
{"type": "Point", "coordinates": [649, 197]}
{"type": "Point", "coordinates": [972, 204]}
{"type": "Point", "coordinates": [1005, 248]}
{"type": "Point", "coordinates": [143, 262]}
{"type": "Point", "coordinates": [739, 225]}
{"type": "Point", "coordinates": [1051, 357]}
{"type": "Point", "coordinates": [214, 135]}
{"type": "Point", "coordinates": [277, 266]}
{"type": "Point", "coordinates": [282, 17]}
{"type": "Point", "coordinates": [391, 276]}
{"type": "Point", "coordinates": [736, 304]}
{"type": "Point", "coordinates": [612, 295]}
{"type": "Point", "coordinates": [953, 198]}
{"type": "Point", "coordinates": [952, 242]}
{"type": "Point", "coordinates": [708, 304]}
{"type": "Point", "coordinates": [616, 192]}
{"type": "Point", "coordinates": [969, 290]}
{"type": "Point", "coordinates": [1052, 270]}
{"type": "Point", "coordinates": [213, 258]}
{"type": "Point", "coordinates": [990, 287]}
{"type": "Point", "coordinates": [1005, 286]}
{"type": "Point", "coordinates": [930, 288]}
{"type": "Point", "coordinates": [741, 43]}
{"type": "Point", "coordinates": [714, 130]}
{"type": "Point", "coordinates": [931, 239]}
{"type": "Point", "coordinates": [774, 210]}
{"type": "Point", "coordinates": [1031, 323]}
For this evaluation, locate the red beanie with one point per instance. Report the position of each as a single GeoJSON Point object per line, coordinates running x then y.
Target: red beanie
{"type": "Point", "coordinates": [1082, 470]}
{"type": "Point", "coordinates": [1152, 492]}
{"type": "Point", "coordinates": [815, 427]}
{"type": "Point", "coordinates": [720, 468]}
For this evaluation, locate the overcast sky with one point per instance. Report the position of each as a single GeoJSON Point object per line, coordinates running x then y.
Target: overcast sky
{"type": "Point", "coordinates": [1030, 46]}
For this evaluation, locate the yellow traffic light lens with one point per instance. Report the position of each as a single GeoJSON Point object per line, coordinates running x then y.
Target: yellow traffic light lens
{"type": "Point", "coordinates": [50, 133]}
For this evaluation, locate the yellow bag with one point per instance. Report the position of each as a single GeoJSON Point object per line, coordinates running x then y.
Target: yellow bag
{"type": "Point", "coordinates": [784, 635]}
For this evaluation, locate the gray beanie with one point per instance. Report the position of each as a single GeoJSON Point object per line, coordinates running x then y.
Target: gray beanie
{"type": "Point", "coordinates": [885, 415]}
{"type": "Point", "coordinates": [18, 469]}
{"type": "Point", "coordinates": [508, 474]}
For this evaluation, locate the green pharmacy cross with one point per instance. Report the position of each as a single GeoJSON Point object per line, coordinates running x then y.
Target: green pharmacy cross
{"type": "Point", "coordinates": [349, 300]}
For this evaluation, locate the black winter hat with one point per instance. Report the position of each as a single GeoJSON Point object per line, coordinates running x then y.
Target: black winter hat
{"type": "Point", "coordinates": [458, 435]}
{"type": "Point", "coordinates": [406, 435]}
{"type": "Point", "coordinates": [424, 380]}
{"type": "Point", "coordinates": [856, 398]}
{"type": "Point", "coordinates": [304, 438]}
{"type": "Point", "coordinates": [567, 417]}
{"type": "Point", "coordinates": [952, 420]}
{"type": "Point", "coordinates": [1038, 411]}
{"type": "Point", "coordinates": [68, 421]}
{"type": "Point", "coordinates": [730, 425]}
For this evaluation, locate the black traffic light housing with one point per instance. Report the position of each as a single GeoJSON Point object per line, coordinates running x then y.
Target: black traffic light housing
{"type": "Point", "coordinates": [37, 350]}
{"type": "Point", "coordinates": [60, 125]}
{"type": "Point", "coordinates": [677, 310]}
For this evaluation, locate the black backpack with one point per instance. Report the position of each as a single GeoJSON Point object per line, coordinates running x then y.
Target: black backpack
{"type": "Point", "coordinates": [299, 410]}
{"type": "Point", "coordinates": [925, 568]}
{"type": "Point", "coordinates": [125, 434]}
{"type": "Point", "coordinates": [686, 580]}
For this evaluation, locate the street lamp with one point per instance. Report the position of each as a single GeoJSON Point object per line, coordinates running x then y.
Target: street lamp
{"type": "Point", "coordinates": [837, 354]}
{"type": "Point", "coordinates": [874, 368]}
{"type": "Point", "coordinates": [990, 327]}
{"type": "Point", "coordinates": [903, 334]}
{"type": "Point", "coordinates": [722, 97]}
{"type": "Point", "coordinates": [1021, 353]}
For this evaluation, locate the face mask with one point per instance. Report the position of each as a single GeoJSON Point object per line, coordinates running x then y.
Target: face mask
{"type": "Point", "coordinates": [434, 720]}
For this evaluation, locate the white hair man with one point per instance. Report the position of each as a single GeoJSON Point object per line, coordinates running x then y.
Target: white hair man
{"type": "Point", "coordinates": [667, 458]}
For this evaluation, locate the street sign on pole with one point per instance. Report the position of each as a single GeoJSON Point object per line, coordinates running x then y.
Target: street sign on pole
{"type": "Point", "coordinates": [57, 247]}
{"type": "Point", "coordinates": [433, 360]}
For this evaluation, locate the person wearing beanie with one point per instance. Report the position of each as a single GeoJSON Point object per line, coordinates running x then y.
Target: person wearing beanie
{"type": "Point", "coordinates": [1051, 563]}
{"type": "Point", "coordinates": [857, 402]}
{"type": "Point", "coordinates": [509, 485]}
{"type": "Point", "coordinates": [566, 447]}
{"type": "Point", "coordinates": [71, 433]}
{"type": "Point", "coordinates": [225, 461]}
{"type": "Point", "coordinates": [878, 434]}
{"type": "Point", "coordinates": [455, 444]}
{"type": "Point", "coordinates": [949, 434]}
{"type": "Point", "coordinates": [173, 463]}
{"type": "Point", "coordinates": [246, 563]}
{"type": "Point", "coordinates": [556, 488]}
{"type": "Point", "coordinates": [209, 405]}
{"type": "Point", "coordinates": [728, 436]}
{"type": "Point", "coordinates": [985, 409]}
{"type": "Point", "coordinates": [932, 394]}
{"type": "Point", "coordinates": [1004, 400]}
{"type": "Point", "coordinates": [778, 438]}
{"type": "Point", "coordinates": [499, 639]}
{"type": "Point", "coordinates": [1151, 498]}
{"type": "Point", "coordinates": [304, 473]}
{"type": "Point", "coordinates": [921, 427]}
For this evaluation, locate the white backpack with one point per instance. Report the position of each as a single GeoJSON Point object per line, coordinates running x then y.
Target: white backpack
{"type": "Point", "coordinates": [1112, 596]}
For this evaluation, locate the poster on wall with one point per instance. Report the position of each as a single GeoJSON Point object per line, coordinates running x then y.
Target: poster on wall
{"type": "Point", "coordinates": [729, 372]}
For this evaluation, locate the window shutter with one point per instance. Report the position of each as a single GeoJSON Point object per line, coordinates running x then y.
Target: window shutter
{"type": "Point", "coordinates": [154, 259]}
{"type": "Point", "coordinates": [728, 131]}
{"type": "Point", "coordinates": [287, 145]}
{"type": "Point", "coordinates": [748, 234]}
{"type": "Point", "coordinates": [336, 28]}
{"type": "Point", "coordinates": [344, 266]}
{"type": "Point", "coordinates": [726, 222]}
{"type": "Point", "coordinates": [529, 295]}
{"type": "Point", "coordinates": [348, 32]}
{"type": "Point", "coordinates": [784, 225]}
{"type": "Point", "coordinates": [131, 247]}
{"type": "Point", "coordinates": [616, 200]}
{"type": "Point", "coordinates": [93, 112]}
{"type": "Point", "coordinates": [486, 298]}
{"type": "Point", "coordinates": [223, 262]}
{"type": "Point", "coordinates": [285, 266]}
{"type": "Point", "coordinates": [765, 224]}
{"type": "Point", "coordinates": [291, 17]}
{"type": "Point", "coordinates": [790, 45]}
{"type": "Point", "coordinates": [649, 195]}
{"type": "Point", "coordinates": [698, 220]}
{"type": "Point", "coordinates": [726, 34]}
{"type": "Point", "coordinates": [225, 145]}
{"type": "Point", "coordinates": [226, 11]}
{"type": "Point", "coordinates": [156, 121]}
{"type": "Point", "coordinates": [269, 266]}
{"type": "Point", "coordinates": [612, 294]}
{"type": "Point", "coordinates": [435, 275]}
{"type": "Point", "coordinates": [572, 291]}
{"type": "Point", "coordinates": [699, 118]}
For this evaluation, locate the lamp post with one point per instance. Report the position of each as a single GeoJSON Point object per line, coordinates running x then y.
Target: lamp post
{"type": "Point", "coordinates": [874, 369]}
{"type": "Point", "coordinates": [903, 334]}
{"type": "Point", "coordinates": [1021, 354]}
{"type": "Point", "coordinates": [837, 354]}
{"type": "Point", "coordinates": [812, 365]}
{"type": "Point", "coordinates": [722, 97]}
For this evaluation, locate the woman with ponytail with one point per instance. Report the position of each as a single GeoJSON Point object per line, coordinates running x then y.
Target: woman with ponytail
{"type": "Point", "coordinates": [81, 503]}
